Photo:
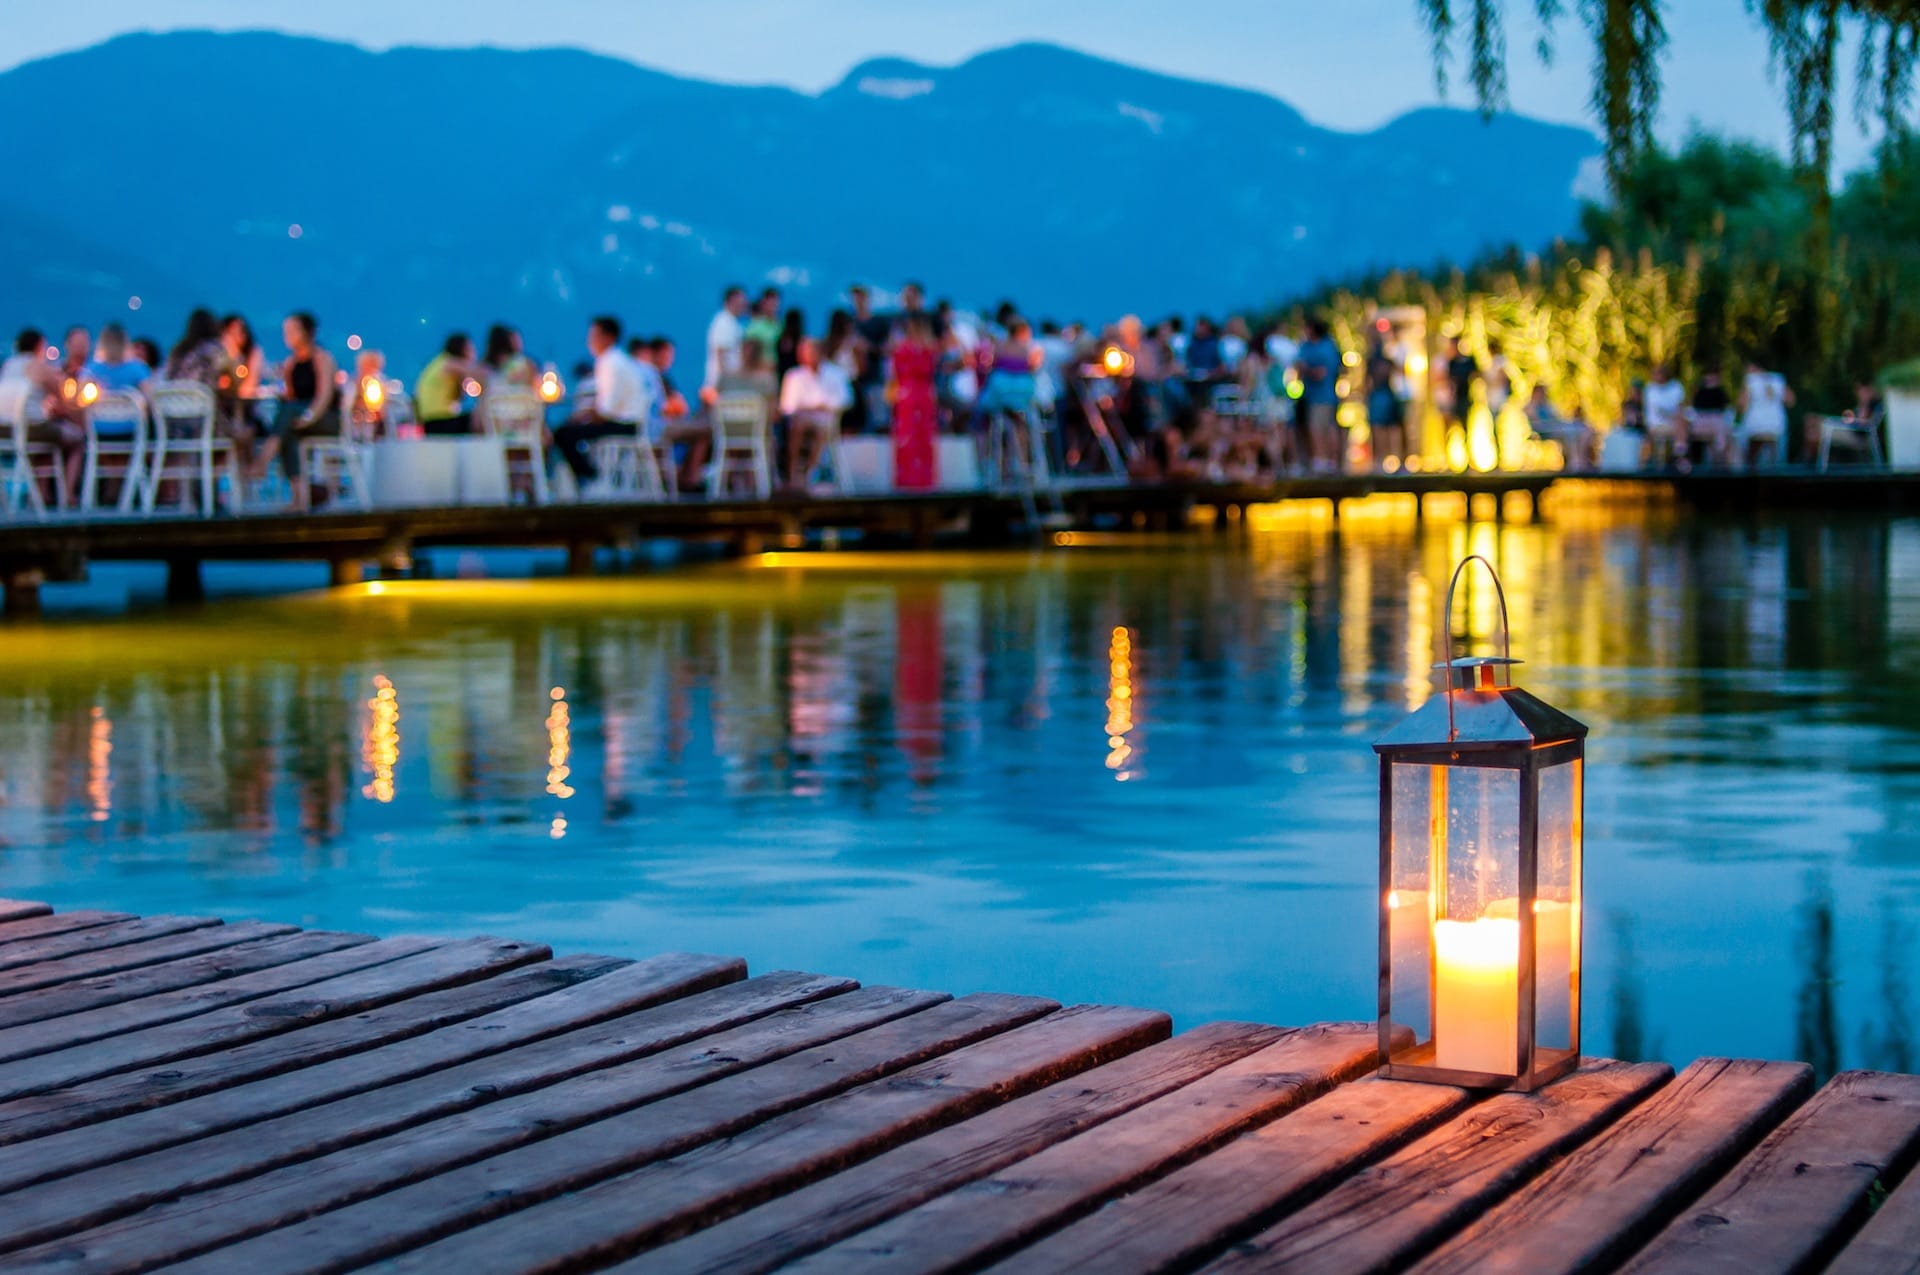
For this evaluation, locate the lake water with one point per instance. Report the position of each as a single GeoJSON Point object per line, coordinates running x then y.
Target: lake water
{"type": "Point", "coordinates": [923, 770]}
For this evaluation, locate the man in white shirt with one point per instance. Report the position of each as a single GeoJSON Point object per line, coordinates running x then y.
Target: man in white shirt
{"type": "Point", "coordinates": [724, 335]}
{"type": "Point", "coordinates": [811, 399]}
{"type": "Point", "coordinates": [619, 401]}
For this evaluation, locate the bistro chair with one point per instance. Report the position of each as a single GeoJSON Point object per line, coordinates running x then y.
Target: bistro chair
{"type": "Point", "coordinates": [118, 457]}
{"type": "Point", "coordinates": [740, 445]}
{"type": "Point", "coordinates": [1861, 435]}
{"type": "Point", "coordinates": [24, 465]}
{"type": "Point", "coordinates": [336, 468]}
{"type": "Point", "coordinates": [627, 467]}
{"type": "Point", "coordinates": [187, 446]}
{"type": "Point", "coordinates": [518, 419]}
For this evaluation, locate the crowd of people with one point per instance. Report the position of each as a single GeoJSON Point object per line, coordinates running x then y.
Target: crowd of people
{"type": "Point", "coordinates": [1217, 401]}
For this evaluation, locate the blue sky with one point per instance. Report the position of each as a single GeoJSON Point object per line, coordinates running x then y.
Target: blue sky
{"type": "Point", "coordinates": [1345, 63]}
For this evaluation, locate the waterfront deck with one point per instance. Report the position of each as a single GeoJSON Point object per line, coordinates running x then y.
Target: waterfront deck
{"type": "Point", "coordinates": [62, 548]}
{"type": "Point", "coordinates": [177, 1092]}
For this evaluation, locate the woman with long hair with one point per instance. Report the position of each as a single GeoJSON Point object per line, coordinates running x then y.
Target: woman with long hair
{"type": "Point", "coordinates": [916, 411]}
{"type": "Point", "coordinates": [506, 358]}
{"type": "Point", "coordinates": [198, 354]}
{"type": "Point", "coordinates": [787, 349]}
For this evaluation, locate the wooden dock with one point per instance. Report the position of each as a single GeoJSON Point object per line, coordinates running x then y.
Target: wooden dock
{"type": "Point", "coordinates": [61, 549]}
{"type": "Point", "coordinates": [202, 1097]}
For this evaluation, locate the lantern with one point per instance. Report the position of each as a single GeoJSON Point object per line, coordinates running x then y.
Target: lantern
{"type": "Point", "coordinates": [1480, 831]}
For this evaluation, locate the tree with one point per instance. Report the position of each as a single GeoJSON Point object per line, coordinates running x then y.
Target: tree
{"type": "Point", "coordinates": [1629, 37]}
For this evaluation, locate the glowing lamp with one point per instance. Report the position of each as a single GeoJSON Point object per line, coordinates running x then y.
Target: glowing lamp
{"type": "Point", "coordinates": [1480, 844]}
{"type": "Point", "coordinates": [372, 393]}
{"type": "Point", "coordinates": [89, 393]}
{"type": "Point", "coordinates": [1117, 361]}
{"type": "Point", "coordinates": [70, 389]}
{"type": "Point", "coordinates": [470, 387]}
{"type": "Point", "coordinates": [551, 390]}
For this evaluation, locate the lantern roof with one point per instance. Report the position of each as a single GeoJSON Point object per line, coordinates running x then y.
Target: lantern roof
{"type": "Point", "coordinates": [1481, 719]}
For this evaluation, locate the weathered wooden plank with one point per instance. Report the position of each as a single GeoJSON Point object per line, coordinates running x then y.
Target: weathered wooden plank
{"type": "Point", "coordinates": [1194, 1212]}
{"type": "Point", "coordinates": [986, 1219]}
{"type": "Point", "coordinates": [816, 1215]}
{"type": "Point", "coordinates": [876, 1114]}
{"type": "Point", "coordinates": [45, 975]}
{"type": "Point", "coordinates": [244, 957]}
{"type": "Point", "coordinates": [430, 966]}
{"type": "Point", "coordinates": [1391, 1213]}
{"type": "Point", "coordinates": [1796, 1199]}
{"type": "Point", "coordinates": [178, 1229]}
{"type": "Point", "coordinates": [22, 910]}
{"type": "Point", "coordinates": [1608, 1197]}
{"type": "Point", "coordinates": [97, 938]}
{"type": "Point", "coordinates": [48, 923]}
{"type": "Point", "coordinates": [113, 1096]}
{"type": "Point", "coordinates": [1889, 1244]}
{"type": "Point", "coordinates": [315, 1110]}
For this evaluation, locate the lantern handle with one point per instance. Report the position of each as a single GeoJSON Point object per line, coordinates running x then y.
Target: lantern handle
{"type": "Point", "coordinates": [1506, 630]}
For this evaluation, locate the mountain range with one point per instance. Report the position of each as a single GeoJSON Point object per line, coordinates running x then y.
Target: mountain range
{"type": "Point", "coordinates": [401, 194]}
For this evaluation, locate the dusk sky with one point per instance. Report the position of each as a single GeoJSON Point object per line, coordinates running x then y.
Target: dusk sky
{"type": "Point", "coordinates": [1348, 65]}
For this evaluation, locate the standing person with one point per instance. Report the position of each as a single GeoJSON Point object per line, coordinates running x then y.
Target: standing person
{"type": "Point", "coordinates": [506, 359]}
{"type": "Point", "coordinates": [1764, 400]}
{"type": "Point", "coordinates": [1662, 403]}
{"type": "Point", "coordinates": [1498, 380]}
{"type": "Point", "coordinates": [308, 398]}
{"type": "Point", "coordinates": [871, 332]}
{"type": "Point", "coordinates": [786, 350]}
{"type": "Point", "coordinates": [763, 329]}
{"type": "Point", "coordinates": [724, 335]}
{"type": "Point", "coordinates": [1386, 414]}
{"type": "Point", "coordinates": [618, 408]}
{"type": "Point", "coordinates": [1461, 371]}
{"type": "Point", "coordinates": [1319, 368]}
{"type": "Point", "coordinates": [198, 354]}
{"type": "Point", "coordinates": [440, 395]}
{"type": "Point", "coordinates": [915, 358]}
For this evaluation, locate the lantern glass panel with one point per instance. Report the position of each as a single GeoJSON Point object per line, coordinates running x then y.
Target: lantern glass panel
{"type": "Point", "coordinates": [1409, 903]}
{"type": "Point", "coordinates": [1557, 909]}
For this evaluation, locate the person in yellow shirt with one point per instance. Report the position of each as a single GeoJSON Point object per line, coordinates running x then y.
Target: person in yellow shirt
{"type": "Point", "coordinates": [440, 395]}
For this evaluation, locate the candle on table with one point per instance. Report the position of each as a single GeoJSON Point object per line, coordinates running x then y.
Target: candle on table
{"type": "Point", "coordinates": [1552, 967]}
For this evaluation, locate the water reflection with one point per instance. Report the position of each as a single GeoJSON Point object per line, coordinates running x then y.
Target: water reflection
{"type": "Point", "coordinates": [890, 766]}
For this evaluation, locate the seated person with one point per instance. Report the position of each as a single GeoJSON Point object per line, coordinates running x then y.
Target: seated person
{"type": "Point", "coordinates": [32, 383]}
{"type": "Point", "coordinates": [1572, 434]}
{"type": "Point", "coordinates": [617, 408]}
{"type": "Point", "coordinates": [113, 367]}
{"type": "Point", "coordinates": [440, 395]}
{"type": "Point", "coordinates": [811, 399]}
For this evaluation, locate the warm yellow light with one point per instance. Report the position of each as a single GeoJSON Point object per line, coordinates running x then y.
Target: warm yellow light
{"type": "Point", "coordinates": [1351, 358]}
{"type": "Point", "coordinates": [1117, 361]}
{"type": "Point", "coordinates": [89, 393]}
{"type": "Point", "coordinates": [550, 388]}
{"type": "Point", "coordinates": [1417, 363]}
{"type": "Point", "coordinates": [471, 387]}
{"type": "Point", "coordinates": [380, 750]}
{"type": "Point", "coordinates": [559, 746]}
{"type": "Point", "coordinates": [100, 766]}
{"type": "Point", "coordinates": [372, 392]}
{"type": "Point", "coordinates": [70, 388]}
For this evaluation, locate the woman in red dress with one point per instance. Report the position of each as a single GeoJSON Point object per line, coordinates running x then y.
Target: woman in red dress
{"type": "Point", "coordinates": [915, 410]}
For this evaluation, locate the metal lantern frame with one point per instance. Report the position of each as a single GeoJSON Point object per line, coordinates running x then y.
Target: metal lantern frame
{"type": "Point", "coordinates": [1502, 727]}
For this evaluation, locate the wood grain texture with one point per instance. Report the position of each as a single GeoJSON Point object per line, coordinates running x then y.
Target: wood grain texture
{"type": "Point", "coordinates": [1194, 1213]}
{"type": "Point", "coordinates": [988, 1218]}
{"type": "Point", "coordinates": [815, 1215]}
{"type": "Point", "coordinates": [304, 1081]}
{"type": "Point", "coordinates": [1798, 1197]}
{"type": "Point", "coordinates": [1609, 1196]}
{"type": "Point", "coordinates": [244, 957]}
{"type": "Point", "coordinates": [430, 966]}
{"type": "Point", "coordinates": [827, 1125]}
{"type": "Point", "coordinates": [1385, 1216]}
{"type": "Point", "coordinates": [228, 1136]}
{"type": "Point", "coordinates": [284, 1197]}
{"type": "Point", "coordinates": [42, 923]}
{"type": "Point", "coordinates": [95, 938]}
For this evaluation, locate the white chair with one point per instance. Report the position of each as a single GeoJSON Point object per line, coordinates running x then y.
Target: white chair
{"type": "Point", "coordinates": [338, 467]}
{"type": "Point", "coordinates": [1863, 435]}
{"type": "Point", "coordinates": [518, 419]}
{"type": "Point", "coordinates": [828, 460]}
{"type": "Point", "coordinates": [627, 467]}
{"type": "Point", "coordinates": [187, 446]}
{"type": "Point", "coordinates": [25, 465]}
{"type": "Point", "coordinates": [740, 445]}
{"type": "Point", "coordinates": [116, 456]}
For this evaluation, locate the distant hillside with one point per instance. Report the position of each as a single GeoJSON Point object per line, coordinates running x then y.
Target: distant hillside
{"type": "Point", "coordinates": [441, 188]}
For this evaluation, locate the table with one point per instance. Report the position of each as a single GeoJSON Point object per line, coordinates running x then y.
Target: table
{"type": "Point", "coordinates": [437, 472]}
{"type": "Point", "coordinates": [869, 462]}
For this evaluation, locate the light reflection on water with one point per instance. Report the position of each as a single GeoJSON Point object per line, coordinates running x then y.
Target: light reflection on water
{"type": "Point", "coordinates": [1135, 774]}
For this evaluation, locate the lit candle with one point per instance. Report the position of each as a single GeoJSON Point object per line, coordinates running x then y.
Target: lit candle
{"type": "Point", "coordinates": [1552, 967]}
{"type": "Point", "coordinates": [1476, 1011]}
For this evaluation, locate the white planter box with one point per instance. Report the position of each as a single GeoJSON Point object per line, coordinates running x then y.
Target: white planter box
{"type": "Point", "coordinates": [1903, 429]}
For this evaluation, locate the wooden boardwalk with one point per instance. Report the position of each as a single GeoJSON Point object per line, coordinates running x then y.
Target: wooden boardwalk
{"type": "Point", "coordinates": [184, 1094]}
